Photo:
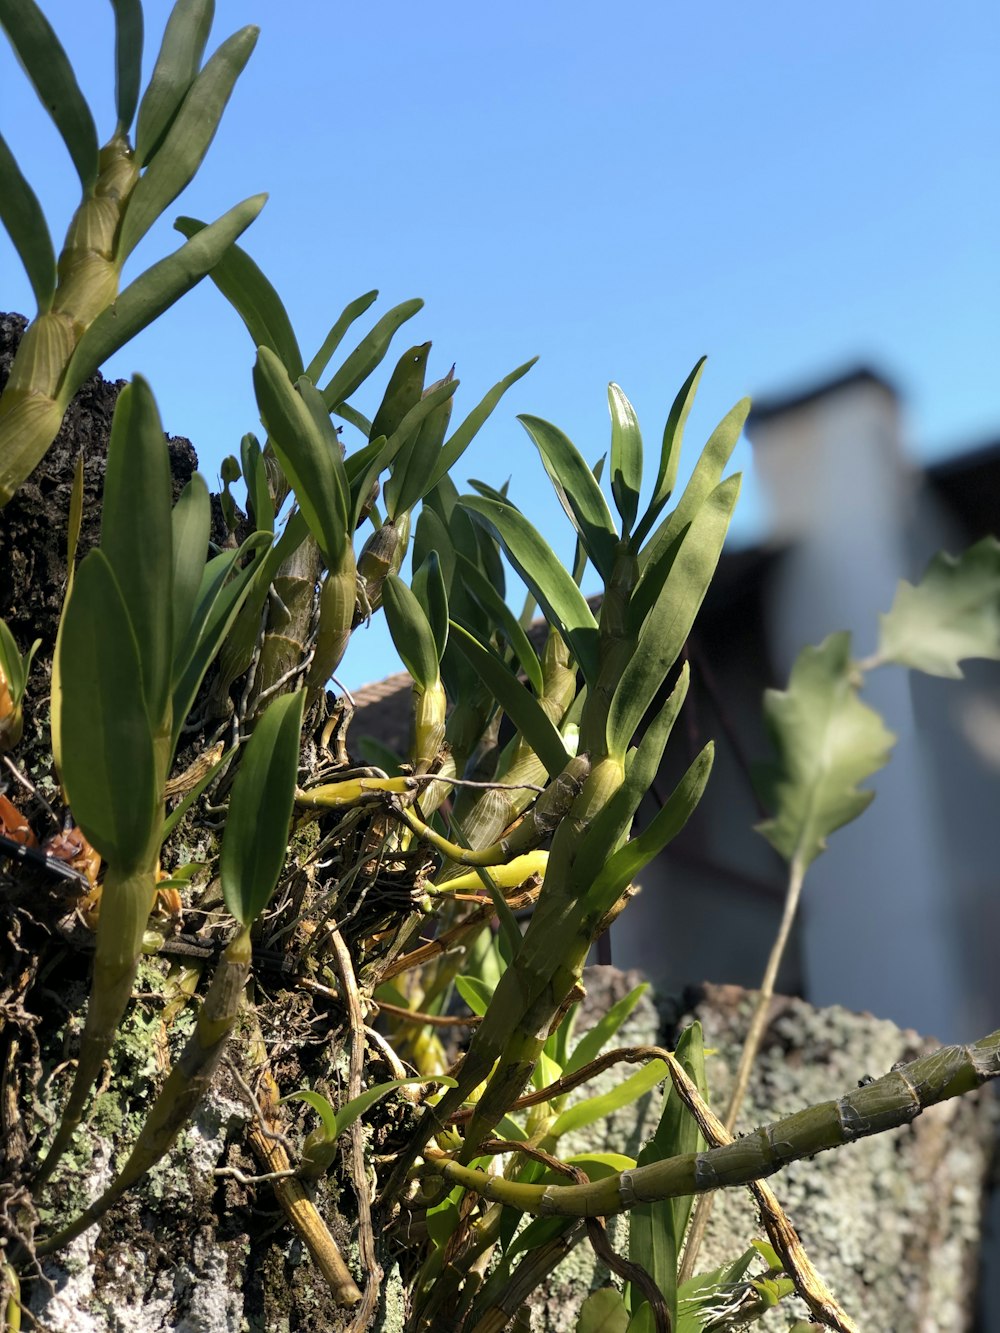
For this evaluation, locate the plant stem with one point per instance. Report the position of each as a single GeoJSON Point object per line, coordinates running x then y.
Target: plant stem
{"type": "Point", "coordinates": [755, 1033]}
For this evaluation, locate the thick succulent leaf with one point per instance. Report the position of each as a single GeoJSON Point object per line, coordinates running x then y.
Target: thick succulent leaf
{"type": "Point", "coordinates": [128, 60]}
{"type": "Point", "coordinates": [260, 810]}
{"type": "Point", "coordinates": [628, 1091]}
{"type": "Point", "coordinates": [154, 291]}
{"type": "Point", "coordinates": [520, 705]}
{"type": "Point", "coordinates": [429, 589]}
{"type": "Point", "coordinates": [603, 1312]}
{"type": "Point", "coordinates": [418, 445]}
{"type": "Point", "coordinates": [178, 61]}
{"type": "Point", "coordinates": [21, 214]}
{"type": "Point", "coordinates": [254, 299]}
{"type": "Point", "coordinates": [952, 613]}
{"type": "Point", "coordinates": [368, 354]}
{"type": "Point", "coordinates": [476, 994]}
{"type": "Point", "coordinates": [613, 822]}
{"type": "Point", "coordinates": [191, 523]}
{"type": "Point", "coordinates": [552, 585]}
{"type": "Point", "coordinates": [136, 535]}
{"type": "Point", "coordinates": [258, 491]}
{"type": "Point", "coordinates": [593, 1042]}
{"type": "Point", "coordinates": [45, 62]}
{"type": "Point", "coordinates": [457, 443]}
{"type": "Point", "coordinates": [322, 1107]}
{"type": "Point", "coordinates": [704, 479]}
{"type": "Point", "coordinates": [354, 310]}
{"type": "Point", "coordinates": [656, 1230]}
{"type": "Point", "coordinates": [626, 456]}
{"type": "Point", "coordinates": [187, 140]}
{"type": "Point", "coordinates": [578, 492]}
{"type": "Point", "coordinates": [357, 1106]}
{"type": "Point", "coordinates": [108, 766]}
{"type": "Point", "coordinates": [411, 632]}
{"type": "Point", "coordinates": [305, 454]}
{"type": "Point", "coordinates": [622, 868]}
{"type": "Point", "coordinates": [670, 452]}
{"type": "Point", "coordinates": [499, 614]}
{"type": "Point", "coordinates": [673, 613]}
{"type": "Point", "coordinates": [827, 741]}
{"type": "Point", "coordinates": [406, 384]}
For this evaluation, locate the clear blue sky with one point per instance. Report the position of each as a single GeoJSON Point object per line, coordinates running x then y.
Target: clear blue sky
{"type": "Point", "coordinates": [788, 188]}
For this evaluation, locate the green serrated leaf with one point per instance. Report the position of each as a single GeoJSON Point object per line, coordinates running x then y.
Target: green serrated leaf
{"type": "Point", "coordinates": [827, 741]}
{"type": "Point", "coordinates": [260, 810]}
{"type": "Point", "coordinates": [108, 765]}
{"type": "Point", "coordinates": [46, 64]}
{"type": "Point", "coordinates": [952, 613]}
{"type": "Point", "coordinates": [603, 1312]}
{"type": "Point", "coordinates": [186, 140]}
{"type": "Point", "coordinates": [578, 492]}
{"type": "Point", "coordinates": [552, 585]}
{"type": "Point", "coordinates": [626, 456]}
{"type": "Point", "coordinates": [154, 291]}
{"type": "Point", "coordinates": [21, 214]}
{"type": "Point", "coordinates": [244, 285]}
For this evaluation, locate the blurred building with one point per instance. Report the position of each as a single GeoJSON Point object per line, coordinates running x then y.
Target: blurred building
{"type": "Point", "coordinates": [900, 914]}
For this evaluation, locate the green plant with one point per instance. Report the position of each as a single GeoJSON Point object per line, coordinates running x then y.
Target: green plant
{"type": "Point", "coordinates": [173, 654]}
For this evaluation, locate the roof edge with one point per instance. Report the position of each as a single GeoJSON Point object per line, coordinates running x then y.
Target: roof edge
{"type": "Point", "coordinates": [766, 409]}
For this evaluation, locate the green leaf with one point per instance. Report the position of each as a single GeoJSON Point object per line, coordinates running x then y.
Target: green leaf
{"type": "Point", "coordinates": [128, 60]}
{"type": "Point", "coordinates": [707, 1295]}
{"type": "Point", "coordinates": [826, 741]}
{"type": "Point", "coordinates": [476, 994]}
{"type": "Point", "coordinates": [603, 1312]}
{"type": "Point", "coordinates": [953, 613]}
{"type": "Point", "coordinates": [429, 589]}
{"type": "Point", "coordinates": [319, 1104]}
{"type": "Point", "coordinates": [578, 492]}
{"type": "Point", "coordinates": [306, 454]}
{"type": "Point", "coordinates": [136, 536]}
{"type": "Point", "coordinates": [704, 479]}
{"type": "Point", "coordinates": [177, 63]}
{"type": "Point", "coordinates": [509, 938]}
{"type": "Point", "coordinates": [669, 622]}
{"type": "Point", "coordinates": [456, 445]}
{"type": "Point", "coordinates": [552, 585]}
{"type": "Point", "coordinates": [593, 1042]}
{"type": "Point", "coordinates": [499, 614]}
{"type": "Point", "coordinates": [411, 632]}
{"type": "Point", "coordinates": [357, 1106]}
{"type": "Point", "coordinates": [186, 141]}
{"type": "Point", "coordinates": [406, 384]}
{"type": "Point", "coordinates": [45, 62]}
{"type": "Point", "coordinates": [670, 452]}
{"type": "Point", "coordinates": [596, 1108]}
{"type": "Point", "coordinates": [260, 810]}
{"type": "Point", "coordinates": [621, 869]}
{"type": "Point", "coordinates": [192, 523]}
{"type": "Point", "coordinates": [354, 310]}
{"type": "Point", "coordinates": [254, 299]}
{"type": "Point", "coordinates": [255, 477]}
{"type": "Point", "coordinates": [368, 354]}
{"type": "Point", "coordinates": [418, 444]}
{"type": "Point", "coordinates": [626, 456]}
{"type": "Point", "coordinates": [22, 215]}
{"type": "Point", "coordinates": [527, 715]}
{"type": "Point", "coordinates": [154, 291]}
{"type": "Point", "coordinates": [108, 765]}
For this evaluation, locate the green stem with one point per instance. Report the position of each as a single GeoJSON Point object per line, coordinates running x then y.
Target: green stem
{"type": "Point", "coordinates": [893, 1100]}
{"type": "Point", "coordinates": [186, 1084]}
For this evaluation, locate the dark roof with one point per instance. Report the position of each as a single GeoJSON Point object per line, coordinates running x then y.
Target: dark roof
{"type": "Point", "coordinates": [765, 409]}
{"type": "Point", "coordinates": [969, 484]}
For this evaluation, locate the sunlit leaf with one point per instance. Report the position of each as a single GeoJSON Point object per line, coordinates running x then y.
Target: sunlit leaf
{"type": "Point", "coordinates": [499, 613]}
{"type": "Point", "coordinates": [952, 613]}
{"type": "Point", "coordinates": [670, 452]}
{"type": "Point", "coordinates": [626, 456]}
{"type": "Point", "coordinates": [354, 310]}
{"type": "Point", "coordinates": [255, 839]}
{"type": "Point", "coordinates": [460, 439]}
{"type": "Point", "coordinates": [429, 589]}
{"type": "Point", "coordinates": [593, 1042]}
{"type": "Point", "coordinates": [603, 1312]}
{"type": "Point", "coordinates": [827, 741]}
{"type": "Point", "coordinates": [192, 522]}
{"type": "Point", "coordinates": [411, 631]}
{"type": "Point", "coordinates": [369, 352]}
{"type": "Point", "coordinates": [21, 214]}
{"type": "Point", "coordinates": [177, 63]}
{"type": "Point", "coordinates": [596, 1108]}
{"type": "Point", "coordinates": [128, 60]}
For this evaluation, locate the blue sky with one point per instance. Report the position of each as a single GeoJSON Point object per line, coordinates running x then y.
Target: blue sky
{"type": "Point", "coordinates": [788, 188]}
